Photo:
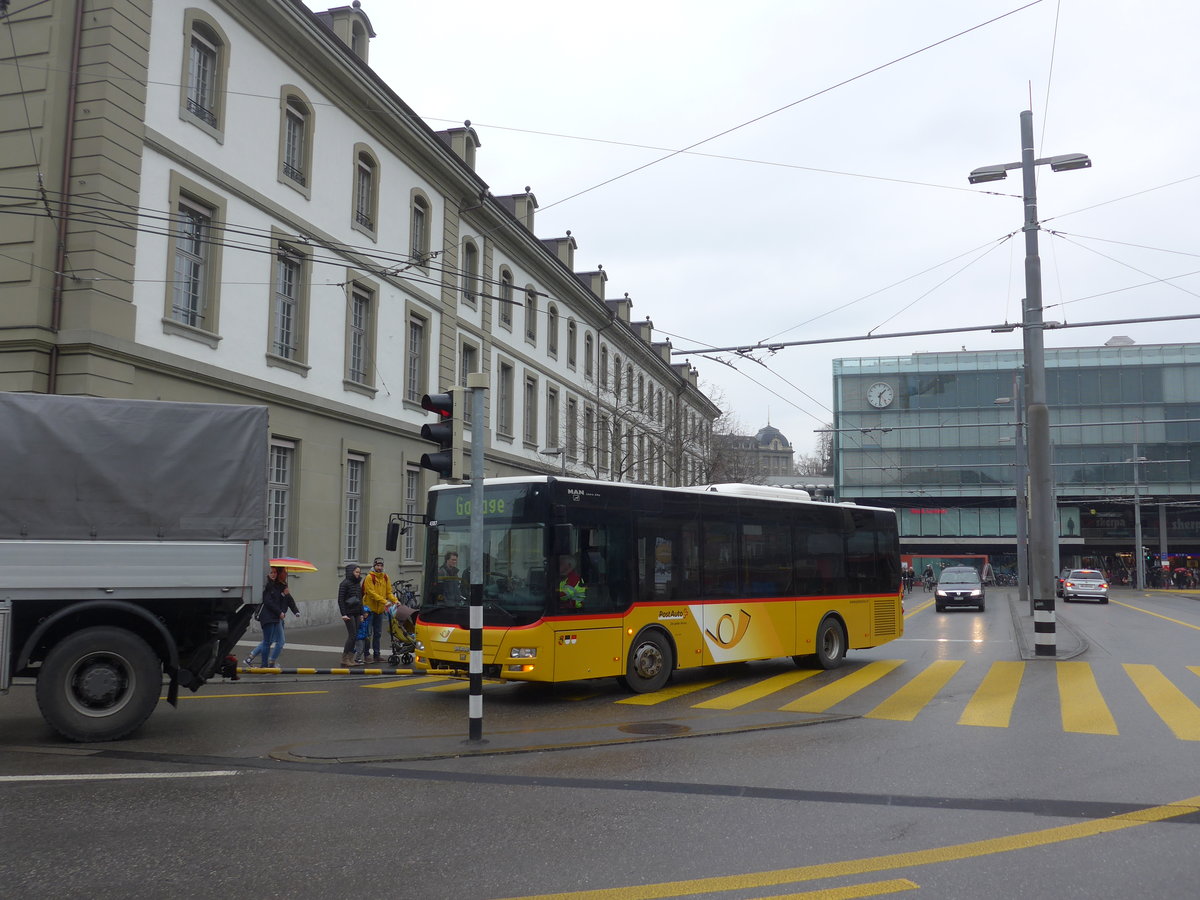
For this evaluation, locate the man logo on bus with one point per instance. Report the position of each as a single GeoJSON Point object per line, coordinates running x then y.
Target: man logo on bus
{"type": "Point", "coordinates": [728, 633]}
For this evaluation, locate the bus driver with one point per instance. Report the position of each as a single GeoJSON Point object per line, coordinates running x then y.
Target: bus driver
{"type": "Point", "coordinates": [571, 589]}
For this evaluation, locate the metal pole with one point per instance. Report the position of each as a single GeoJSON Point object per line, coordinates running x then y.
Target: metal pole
{"type": "Point", "coordinates": [1022, 477]}
{"type": "Point", "coordinates": [477, 384]}
{"type": "Point", "coordinates": [1041, 483]}
{"type": "Point", "coordinates": [1140, 557]}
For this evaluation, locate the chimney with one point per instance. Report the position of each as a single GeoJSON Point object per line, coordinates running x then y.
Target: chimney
{"type": "Point", "coordinates": [564, 248]}
{"type": "Point", "coordinates": [594, 281]}
{"type": "Point", "coordinates": [621, 308]}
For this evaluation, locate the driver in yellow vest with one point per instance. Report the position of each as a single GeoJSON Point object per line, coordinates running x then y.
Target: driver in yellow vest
{"type": "Point", "coordinates": [571, 589]}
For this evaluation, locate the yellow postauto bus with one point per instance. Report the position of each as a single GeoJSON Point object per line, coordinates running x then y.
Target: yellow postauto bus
{"type": "Point", "coordinates": [590, 579]}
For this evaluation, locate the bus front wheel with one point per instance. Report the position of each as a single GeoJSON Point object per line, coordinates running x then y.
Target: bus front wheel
{"type": "Point", "coordinates": [650, 663]}
{"type": "Point", "coordinates": [830, 644]}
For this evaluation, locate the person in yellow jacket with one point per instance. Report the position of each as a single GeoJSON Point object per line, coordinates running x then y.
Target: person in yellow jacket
{"type": "Point", "coordinates": [571, 589]}
{"type": "Point", "coordinates": [377, 595]}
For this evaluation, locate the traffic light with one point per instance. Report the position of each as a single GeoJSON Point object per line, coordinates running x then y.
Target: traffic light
{"type": "Point", "coordinates": [447, 433]}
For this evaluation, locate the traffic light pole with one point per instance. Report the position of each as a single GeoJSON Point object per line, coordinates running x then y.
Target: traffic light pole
{"type": "Point", "coordinates": [477, 384]}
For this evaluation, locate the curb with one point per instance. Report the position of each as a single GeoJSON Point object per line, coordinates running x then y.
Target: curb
{"type": "Point", "coordinates": [1023, 627]}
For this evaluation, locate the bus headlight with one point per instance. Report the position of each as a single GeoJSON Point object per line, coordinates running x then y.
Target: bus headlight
{"type": "Point", "coordinates": [523, 653]}
{"type": "Point", "coordinates": [420, 646]}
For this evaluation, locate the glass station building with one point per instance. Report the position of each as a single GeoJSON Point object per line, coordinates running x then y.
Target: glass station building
{"type": "Point", "coordinates": [935, 436]}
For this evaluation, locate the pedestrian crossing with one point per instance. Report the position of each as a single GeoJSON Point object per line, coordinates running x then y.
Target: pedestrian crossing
{"type": "Point", "coordinates": [908, 692]}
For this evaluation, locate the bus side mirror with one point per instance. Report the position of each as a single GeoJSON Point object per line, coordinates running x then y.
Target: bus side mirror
{"type": "Point", "coordinates": [393, 535]}
{"type": "Point", "coordinates": [562, 540]}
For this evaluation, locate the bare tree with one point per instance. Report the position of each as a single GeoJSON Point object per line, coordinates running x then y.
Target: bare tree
{"type": "Point", "coordinates": [820, 461]}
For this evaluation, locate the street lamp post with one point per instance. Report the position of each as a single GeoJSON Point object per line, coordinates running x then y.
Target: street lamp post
{"type": "Point", "coordinates": [1019, 482]}
{"type": "Point", "coordinates": [1037, 415]}
{"type": "Point", "coordinates": [562, 457]}
{"type": "Point", "coordinates": [1140, 557]}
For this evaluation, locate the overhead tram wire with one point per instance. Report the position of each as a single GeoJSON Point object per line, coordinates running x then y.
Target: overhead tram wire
{"type": "Point", "coordinates": [788, 106]}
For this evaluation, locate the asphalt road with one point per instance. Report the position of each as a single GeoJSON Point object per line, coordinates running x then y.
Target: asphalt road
{"type": "Point", "coordinates": [949, 763]}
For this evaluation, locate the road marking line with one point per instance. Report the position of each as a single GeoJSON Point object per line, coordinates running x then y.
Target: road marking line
{"type": "Point", "coordinates": [823, 698]}
{"type": "Point", "coordinates": [906, 703]}
{"type": "Point", "coordinates": [238, 696]}
{"type": "Point", "coordinates": [1082, 705]}
{"type": "Point", "coordinates": [951, 853]}
{"type": "Point", "coordinates": [670, 693]}
{"type": "Point", "coordinates": [753, 692]}
{"type": "Point", "coordinates": [851, 891]}
{"type": "Point", "coordinates": [1172, 705]}
{"type": "Point", "coordinates": [924, 606]}
{"type": "Point", "coordinates": [406, 682]}
{"type": "Point", "coordinates": [1156, 615]}
{"type": "Point", "coordinates": [992, 704]}
{"type": "Point", "coordinates": [121, 776]}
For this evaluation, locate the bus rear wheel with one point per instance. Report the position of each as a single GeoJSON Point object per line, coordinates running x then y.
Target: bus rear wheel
{"type": "Point", "coordinates": [650, 663]}
{"type": "Point", "coordinates": [830, 644]}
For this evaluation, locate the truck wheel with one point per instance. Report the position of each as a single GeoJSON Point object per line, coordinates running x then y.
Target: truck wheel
{"type": "Point", "coordinates": [99, 684]}
{"type": "Point", "coordinates": [650, 663]}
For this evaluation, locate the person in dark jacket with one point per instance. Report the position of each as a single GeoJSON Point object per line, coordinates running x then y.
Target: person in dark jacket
{"type": "Point", "coordinates": [276, 600]}
{"type": "Point", "coordinates": [350, 605]}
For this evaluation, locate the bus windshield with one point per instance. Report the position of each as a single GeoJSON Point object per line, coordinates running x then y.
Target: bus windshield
{"type": "Point", "coordinates": [515, 585]}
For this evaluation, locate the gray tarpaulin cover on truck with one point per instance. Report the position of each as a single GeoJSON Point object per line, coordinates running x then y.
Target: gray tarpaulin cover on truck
{"type": "Point", "coordinates": [82, 468]}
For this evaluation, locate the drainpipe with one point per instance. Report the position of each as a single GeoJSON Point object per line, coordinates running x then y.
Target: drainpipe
{"type": "Point", "coordinates": [64, 204]}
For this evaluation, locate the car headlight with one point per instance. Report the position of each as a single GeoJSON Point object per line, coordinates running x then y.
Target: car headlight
{"type": "Point", "coordinates": [977, 592]}
{"type": "Point", "coordinates": [523, 652]}
{"type": "Point", "coordinates": [939, 593]}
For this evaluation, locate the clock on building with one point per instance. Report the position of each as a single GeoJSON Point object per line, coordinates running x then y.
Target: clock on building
{"type": "Point", "coordinates": [881, 394]}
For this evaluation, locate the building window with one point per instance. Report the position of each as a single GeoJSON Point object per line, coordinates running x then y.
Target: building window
{"type": "Point", "coordinates": [295, 140]}
{"type": "Point", "coordinates": [553, 438]}
{"type": "Point", "coordinates": [603, 366]}
{"type": "Point", "coordinates": [616, 379]}
{"type": "Point", "coordinates": [414, 360]}
{"type": "Point", "coordinates": [468, 364]}
{"type": "Point", "coordinates": [572, 442]}
{"type": "Point", "coordinates": [589, 436]}
{"type": "Point", "coordinates": [470, 272]}
{"type": "Point", "coordinates": [629, 385]}
{"type": "Point", "coordinates": [506, 298]}
{"type": "Point", "coordinates": [205, 72]}
{"type": "Point", "coordinates": [202, 77]}
{"type": "Point", "coordinates": [286, 320]}
{"type": "Point", "coordinates": [279, 496]}
{"type": "Point", "coordinates": [587, 356]}
{"type": "Point", "coordinates": [571, 341]}
{"type": "Point", "coordinates": [552, 330]}
{"type": "Point", "coordinates": [531, 315]}
{"type": "Point", "coordinates": [531, 410]}
{"type": "Point", "coordinates": [360, 331]}
{"type": "Point", "coordinates": [504, 401]}
{"type": "Point", "coordinates": [366, 192]}
{"type": "Point", "coordinates": [419, 230]}
{"type": "Point", "coordinates": [604, 433]}
{"type": "Point", "coordinates": [356, 470]}
{"type": "Point", "coordinates": [641, 393]}
{"type": "Point", "coordinates": [412, 489]}
{"type": "Point", "coordinates": [193, 275]}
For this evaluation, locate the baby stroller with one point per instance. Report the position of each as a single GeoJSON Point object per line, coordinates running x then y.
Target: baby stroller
{"type": "Point", "coordinates": [401, 625]}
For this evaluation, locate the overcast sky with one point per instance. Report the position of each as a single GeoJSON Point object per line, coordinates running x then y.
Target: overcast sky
{"type": "Point", "coordinates": [834, 201]}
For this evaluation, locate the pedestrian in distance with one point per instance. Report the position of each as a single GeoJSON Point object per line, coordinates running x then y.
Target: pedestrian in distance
{"type": "Point", "coordinates": [276, 601]}
{"type": "Point", "coordinates": [350, 605]}
{"type": "Point", "coordinates": [377, 594]}
{"type": "Point", "coordinates": [360, 639]}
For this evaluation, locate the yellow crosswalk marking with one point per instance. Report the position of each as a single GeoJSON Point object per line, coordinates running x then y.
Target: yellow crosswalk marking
{"type": "Point", "coordinates": [1083, 708]}
{"type": "Point", "coordinates": [832, 694]}
{"type": "Point", "coordinates": [456, 685]}
{"type": "Point", "coordinates": [1172, 705]}
{"type": "Point", "coordinates": [757, 691]}
{"type": "Point", "coordinates": [670, 693]}
{"type": "Point", "coordinates": [992, 704]}
{"type": "Point", "coordinates": [906, 703]}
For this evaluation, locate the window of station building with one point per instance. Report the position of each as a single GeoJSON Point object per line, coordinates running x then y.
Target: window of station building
{"type": "Point", "coordinates": [470, 272]}
{"type": "Point", "coordinates": [505, 304]}
{"type": "Point", "coordinates": [193, 278]}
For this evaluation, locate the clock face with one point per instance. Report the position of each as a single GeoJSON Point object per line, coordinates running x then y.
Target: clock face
{"type": "Point", "coordinates": [880, 394]}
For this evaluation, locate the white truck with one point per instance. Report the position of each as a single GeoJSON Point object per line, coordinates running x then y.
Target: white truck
{"type": "Point", "coordinates": [132, 547]}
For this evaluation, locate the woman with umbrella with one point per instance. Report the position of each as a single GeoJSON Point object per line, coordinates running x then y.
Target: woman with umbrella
{"type": "Point", "coordinates": [276, 600]}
